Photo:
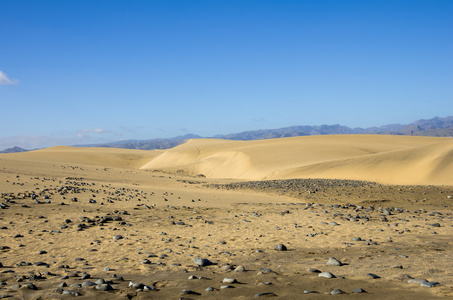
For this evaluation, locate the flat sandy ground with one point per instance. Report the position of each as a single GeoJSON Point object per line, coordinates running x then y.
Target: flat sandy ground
{"type": "Point", "coordinates": [69, 213]}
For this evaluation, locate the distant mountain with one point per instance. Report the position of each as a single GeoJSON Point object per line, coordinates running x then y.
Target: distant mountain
{"type": "Point", "coordinates": [147, 144]}
{"type": "Point", "coordinates": [289, 132]}
{"type": "Point", "coordinates": [441, 127]}
{"type": "Point", "coordinates": [14, 150]}
{"type": "Point", "coordinates": [432, 127]}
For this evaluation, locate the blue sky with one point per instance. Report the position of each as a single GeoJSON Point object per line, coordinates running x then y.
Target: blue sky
{"type": "Point", "coordinates": [75, 72]}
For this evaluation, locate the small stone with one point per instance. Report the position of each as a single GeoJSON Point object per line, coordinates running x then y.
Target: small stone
{"type": "Point", "coordinates": [359, 290]}
{"type": "Point", "coordinates": [311, 270]}
{"type": "Point", "coordinates": [419, 281]}
{"type": "Point", "coordinates": [334, 262]}
{"type": "Point", "coordinates": [41, 264]}
{"type": "Point", "coordinates": [326, 275]}
{"type": "Point", "coordinates": [88, 283]}
{"type": "Point", "coordinates": [266, 294]}
{"type": "Point", "coordinates": [227, 268]}
{"type": "Point", "coordinates": [190, 292]}
{"type": "Point", "coordinates": [117, 237]}
{"type": "Point", "coordinates": [202, 262]}
{"type": "Point", "coordinates": [336, 292]}
{"type": "Point", "coordinates": [265, 270]}
{"type": "Point", "coordinates": [29, 286]}
{"type": "Point", "coordinates": [280, 247]}
{"type": "Point", "coordinates": [374, 276]}
{"type": "Point", "coordinates": [429, 284]}
{"type": "Point", "coordinates": [227, 287]}
{"type": "Point", "coordinates": [67, 292]}
{"type": "Point", "coordinates": [239, 269]}
{"type": "Point", "coordinates": [209, 289]}
{"type": "Point", "coordinates": [104, 287]}
{"type": "Point", "coordinates": [229, 280]}
{"type": "Point", "coordinates": [135, 285]}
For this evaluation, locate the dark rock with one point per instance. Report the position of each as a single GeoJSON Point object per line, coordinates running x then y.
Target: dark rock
{"type": "Point", "coordinates": [326, 275]}
{"type": "Point", "coordinates": [336, 292]}
{"type": "Point", "coordinates": [29, 286]}
{"type": "Point", "coordinates": [202, 262]}
{"type": "Point", "coordinates": [104, 287]}
{"type": "Point", "coordinates": [88, 283]}
{"type": "Point", "coordinates": [265, 294]}
{"type": "Point", "coordinates": [117, 237]}
{"type": "Point", "coordinates": [429, 284]}
{"type": "Point", "coordinates": [334, 262]}
{"type": "Point", "coordinates": [280, 247]}
{"type": "Point", "coordinates": [136, 285]}
{"type": "Point", "coordinates": [190, 292]}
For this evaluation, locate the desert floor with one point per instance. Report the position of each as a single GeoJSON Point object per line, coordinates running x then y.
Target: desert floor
{"type": "Point", "coordinates": [75, 215]}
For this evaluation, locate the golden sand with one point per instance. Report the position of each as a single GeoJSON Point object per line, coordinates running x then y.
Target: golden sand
{"type": "Point", "coordinates": [173, 216]}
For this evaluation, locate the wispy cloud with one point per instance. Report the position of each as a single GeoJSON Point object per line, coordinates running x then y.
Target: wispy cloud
{"type": "Point", "coordinates": [83, 133]}
{"type": "Point", "coordinates": [5, 80]}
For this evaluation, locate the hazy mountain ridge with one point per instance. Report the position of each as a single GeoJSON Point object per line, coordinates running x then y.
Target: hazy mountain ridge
{"type": "Point", "coordinates": [149, 144]}
{"type": "Point", "coordinates": [442, 127]}
{"type": "Point", "coordinates": [439, 127]}
{"type": "Point", "coordinates": [14, 150]}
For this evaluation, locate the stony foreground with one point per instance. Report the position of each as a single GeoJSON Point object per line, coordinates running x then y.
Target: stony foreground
{"type": "Point", "coordinates": [67, 236]}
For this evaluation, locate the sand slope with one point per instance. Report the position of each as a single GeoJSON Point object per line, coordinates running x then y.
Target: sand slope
{"type": "Point", "coordinates": [385, 159]}
{"type": "Point", "coordinates": [380, 158]}
{"type": "Point", "coordinates": [103, 157]}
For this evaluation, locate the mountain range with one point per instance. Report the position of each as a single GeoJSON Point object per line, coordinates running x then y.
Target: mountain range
{"type": "Point", "coordinates": [440, 127]}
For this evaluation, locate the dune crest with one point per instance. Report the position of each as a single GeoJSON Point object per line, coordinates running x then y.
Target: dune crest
{"type": "Point", "coordinates": [385, 159]}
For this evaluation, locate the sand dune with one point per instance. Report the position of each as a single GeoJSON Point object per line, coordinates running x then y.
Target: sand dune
{"type": "Point", "coordinates": [103, 157]}
{"type": "Point", "coordinates": [385, 159]}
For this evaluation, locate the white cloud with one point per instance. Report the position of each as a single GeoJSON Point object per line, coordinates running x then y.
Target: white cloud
{"type": "Point", "coordinates": [5, 80]}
